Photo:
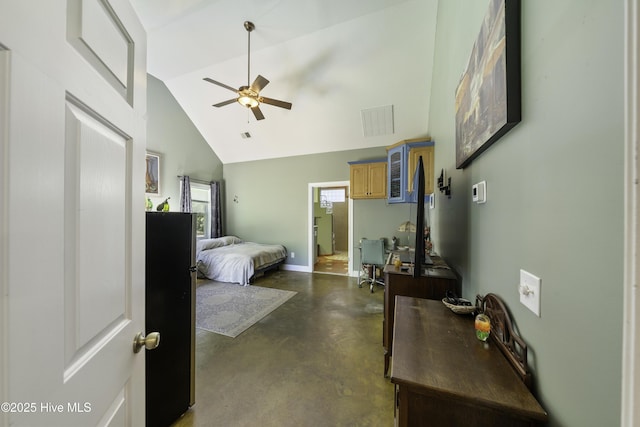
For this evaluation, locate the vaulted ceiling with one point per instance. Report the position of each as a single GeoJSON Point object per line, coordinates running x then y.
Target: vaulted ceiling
{"type": "Point", "coordinates": [331, 59]}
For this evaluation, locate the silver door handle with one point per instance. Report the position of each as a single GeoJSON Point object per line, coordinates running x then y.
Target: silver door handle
{"type": "Point", "coordinates": [149, 342]}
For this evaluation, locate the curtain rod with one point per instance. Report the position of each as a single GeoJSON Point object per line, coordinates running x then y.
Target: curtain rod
{"type": "Point", "coordinates": [197, 181]}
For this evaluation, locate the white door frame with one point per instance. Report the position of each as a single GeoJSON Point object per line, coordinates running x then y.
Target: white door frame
{"type": "Point", "coordinates": [630, 407]}
{"type": "Point", "coordinates": [4, 138]}
{"type": "Point", "coordinates": [311, 186]}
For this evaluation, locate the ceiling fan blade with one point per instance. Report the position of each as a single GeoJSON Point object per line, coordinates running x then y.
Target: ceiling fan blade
{"type": "Point", "coordinates": [277, 103]}
{"type": "Point", "coordinates": [259, 83]}
{"type": "Point", "coordinates": [220, 84]}
{"type": "Point", "coordinates": [257, 113]}
{"type": "Point", "coordinates": [227, 102]}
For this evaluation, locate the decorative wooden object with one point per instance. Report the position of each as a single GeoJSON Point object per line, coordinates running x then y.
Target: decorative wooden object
{"type": "Point", "coordinates": [510, 343]}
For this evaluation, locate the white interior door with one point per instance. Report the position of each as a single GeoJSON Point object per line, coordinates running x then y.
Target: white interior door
{"type": "Point", "coordinates": [74, 74]}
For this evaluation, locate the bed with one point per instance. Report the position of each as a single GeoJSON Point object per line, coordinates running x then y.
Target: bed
{"type": "Point", "coordinates": [230, 259]}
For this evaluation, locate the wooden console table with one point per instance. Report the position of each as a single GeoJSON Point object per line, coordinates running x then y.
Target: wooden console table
{"type": "Point", "coordinates": [445, 376]}
{"type": "Point", "coordinates": [434, 282]}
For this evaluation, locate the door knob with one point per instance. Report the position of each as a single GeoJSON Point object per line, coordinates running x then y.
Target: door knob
{"type": "Point", "coordinates": [149, 342]}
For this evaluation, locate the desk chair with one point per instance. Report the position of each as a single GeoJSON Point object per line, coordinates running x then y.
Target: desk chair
{"type": "Point", "coordinates": [372, 255]}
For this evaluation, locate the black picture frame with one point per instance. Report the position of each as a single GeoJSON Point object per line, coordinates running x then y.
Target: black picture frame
{"type": "Point", "coordinates": [488, 97]}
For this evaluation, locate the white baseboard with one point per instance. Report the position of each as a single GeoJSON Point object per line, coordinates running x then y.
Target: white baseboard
{"type": "Point", "coordinates": [293, 267]}
{"type": "Point", "coordinates": [307, 269]}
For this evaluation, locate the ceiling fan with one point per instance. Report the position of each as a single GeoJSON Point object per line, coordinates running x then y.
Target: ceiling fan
{"type": "Point", "coordinates": [249, 95]}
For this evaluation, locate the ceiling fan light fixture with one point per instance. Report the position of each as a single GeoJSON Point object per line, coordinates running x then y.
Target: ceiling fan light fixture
{"type": "Point", "coordinates": [248, 101]}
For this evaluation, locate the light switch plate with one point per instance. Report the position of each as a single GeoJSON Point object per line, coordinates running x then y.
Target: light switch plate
{"type": "Point", "coordinates": [529, 289]}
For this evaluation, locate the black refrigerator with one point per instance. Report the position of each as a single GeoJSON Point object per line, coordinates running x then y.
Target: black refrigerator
{"type": "Point", "coordinates": [170, 310]}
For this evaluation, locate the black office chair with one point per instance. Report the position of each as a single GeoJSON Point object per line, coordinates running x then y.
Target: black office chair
{"type": "Point", "coordinates": [372, 256]}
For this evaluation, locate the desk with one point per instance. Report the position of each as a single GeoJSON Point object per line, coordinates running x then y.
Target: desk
{"type": "Point", "coordinates": [445, 376]}
{"type": "Point", "coordinates": [434, 282]}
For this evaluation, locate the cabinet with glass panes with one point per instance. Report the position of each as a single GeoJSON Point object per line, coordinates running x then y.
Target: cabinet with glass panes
{"type": "Point", "coordinates": [402, 161]}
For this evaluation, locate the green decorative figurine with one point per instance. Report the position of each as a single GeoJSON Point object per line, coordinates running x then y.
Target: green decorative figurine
{"type": "Point", "coordinates": [164, 206]}
{"type": "Point", "coordinates": [149, 204]}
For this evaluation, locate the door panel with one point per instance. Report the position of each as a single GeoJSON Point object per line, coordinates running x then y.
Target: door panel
{"type": "Point", "coordinates": [96, 32]}
{"type": "Point", "coordinates": [96, 180]}
{"type": "Point", "coordinates": [73, 214]}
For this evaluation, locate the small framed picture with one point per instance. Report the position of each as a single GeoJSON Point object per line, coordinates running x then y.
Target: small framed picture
{"type": "Point", "coordinates": [152, 176]}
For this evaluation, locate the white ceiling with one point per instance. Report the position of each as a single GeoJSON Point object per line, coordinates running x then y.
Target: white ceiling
{"type": "Point", "coordinates": [329, 58]}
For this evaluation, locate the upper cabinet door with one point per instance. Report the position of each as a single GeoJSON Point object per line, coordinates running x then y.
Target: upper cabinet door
{"type": "Point", "coordinates": [359, 177]}
{"type": "Point", "coordinates": [377, 180]}
{"type": "Point", "coordinates": [402, 160]}
{"type": "Point", "coordinates": [397, 174]}
{"type": "Point", "coordinates": [426, 152]}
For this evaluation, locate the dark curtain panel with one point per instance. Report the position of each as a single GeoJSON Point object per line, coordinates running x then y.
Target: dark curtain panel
{"type": "Point", "coordinates": [185, 194]}
{"type": "Point", "coordinates": [216, 210]}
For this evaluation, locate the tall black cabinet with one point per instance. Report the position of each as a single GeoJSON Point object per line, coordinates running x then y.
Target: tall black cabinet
{"type": "Point", "coordinates": [170, 310]}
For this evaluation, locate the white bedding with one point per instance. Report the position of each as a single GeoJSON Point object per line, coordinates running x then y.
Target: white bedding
{"type": "Point", "coordinates": [234, 261]}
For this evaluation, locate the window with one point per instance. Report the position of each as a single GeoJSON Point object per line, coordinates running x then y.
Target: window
{"type": "Point", "coordinates": [201, 206]}
{"type": "Point", "coordinates": [332, 195]}
{"type": "Point", "coordinates": [329, 196]}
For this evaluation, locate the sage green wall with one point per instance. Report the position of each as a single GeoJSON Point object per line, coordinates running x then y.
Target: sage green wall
{"type": "Point", "coordinates": [183, 150]}
{"type": "Point", "coordinates": [555, 196]}
{"type": "Point", "coordinates": [272, 200]}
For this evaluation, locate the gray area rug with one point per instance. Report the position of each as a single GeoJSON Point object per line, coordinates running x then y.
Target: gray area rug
{"type": "Point", "coordinates": [230, 309]}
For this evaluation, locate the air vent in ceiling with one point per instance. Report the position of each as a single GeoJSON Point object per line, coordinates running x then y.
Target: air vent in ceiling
{"type": "Point", "coordinates": [245, 135]}
{"type": "Point", "coordinates": [377, 121]}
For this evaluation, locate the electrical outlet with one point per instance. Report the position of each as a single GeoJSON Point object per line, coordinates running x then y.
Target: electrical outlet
{"type": "Point", "coordinates": [529, 289]}
{"type": "Point", "coordinates": [293, 254]}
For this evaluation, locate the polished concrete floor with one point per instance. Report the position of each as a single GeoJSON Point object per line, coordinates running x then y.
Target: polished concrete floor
{"type": "Point", "coordinates": [316, 360]}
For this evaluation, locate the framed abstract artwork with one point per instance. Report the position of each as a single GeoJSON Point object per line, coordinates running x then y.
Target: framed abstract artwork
{"type": "Point", "coordinates": [152, 175]}
{"type": "Point", "coordinates": [488, 96]}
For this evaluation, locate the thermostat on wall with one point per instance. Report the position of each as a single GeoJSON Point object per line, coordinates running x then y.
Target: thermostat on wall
{"type": "Point", "coordinates": [479, 192]}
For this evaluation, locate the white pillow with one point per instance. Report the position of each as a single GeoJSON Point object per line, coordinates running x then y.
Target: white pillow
{"type": "Point", "coordinates": [204, 244]}
{"type": "Point", "coordinates": [230, 240]}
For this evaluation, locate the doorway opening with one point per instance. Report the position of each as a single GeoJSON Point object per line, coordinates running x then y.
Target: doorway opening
{"type": "Point", "coordinates": [330, 224]}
